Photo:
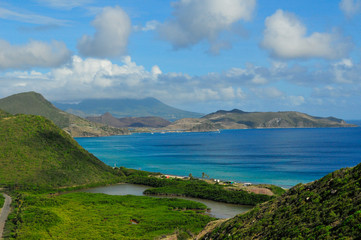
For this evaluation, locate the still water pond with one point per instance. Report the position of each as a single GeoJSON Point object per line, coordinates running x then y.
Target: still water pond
{"type": "Point", "coordinates": [218, 210]}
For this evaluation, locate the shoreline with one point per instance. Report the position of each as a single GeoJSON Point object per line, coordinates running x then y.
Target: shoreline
{"type": "Point", "coordinates": [257, 188]}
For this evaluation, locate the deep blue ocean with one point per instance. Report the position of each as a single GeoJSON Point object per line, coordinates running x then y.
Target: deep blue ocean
{"type": "Point", "coordinates": [283, 157]}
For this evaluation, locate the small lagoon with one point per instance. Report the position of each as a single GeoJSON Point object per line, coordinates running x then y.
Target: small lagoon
{"type": "Point", "coordinates": [218, 210]}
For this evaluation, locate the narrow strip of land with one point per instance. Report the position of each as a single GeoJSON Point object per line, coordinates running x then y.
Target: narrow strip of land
{"type": "Point", "coordinates": [4, 213]}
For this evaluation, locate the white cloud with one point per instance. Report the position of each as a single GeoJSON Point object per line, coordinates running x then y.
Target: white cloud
{"type": "Point", "coordinates": [296, 100]}
{"type": "Point", "coordinates": [268, 92]}
{"type": "Point", "coordinates": [259, 79]}
{"type": "Point", "coordinates": [31, 18]}
{"type": "Point", "coordinates": [33, 54]}
{"type": "Point", "coordinates": [156, 70]}
{"type": "Point", "coordinates": [350, 7]}
{"type": "Point", "coordinates": [286, 37]}
{"type": "Point", "coordinates": [101, 73]}
{"type": "Point", "coordinates": [149, 26]}
{"type": "Point", "coordinates": [240, 94]}
{"type": "Point", "coordinates": [227, 93]}
{"type": "Point", "coordinates": [346, 62]}
{"type": "Point", "coordinates": [99, 78]}
{"type": "Point", "coordinates": [91, 77]}
{"type": "Point", "coordinates": [197, 20]}
{"type": "Point", "coordinates": [251, 75]}
{"type": "Point", "coordinates": [342, 70]}
{"type": "Point", "coordinates": [113, 28]}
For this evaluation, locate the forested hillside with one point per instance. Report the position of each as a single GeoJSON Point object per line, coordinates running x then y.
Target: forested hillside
{"type": "Point", "coordinates": [35, 152]}
{"type": "Point", "coordinates": [329, 208]}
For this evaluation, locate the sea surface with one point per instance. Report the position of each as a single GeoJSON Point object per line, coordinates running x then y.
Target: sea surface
{"type": "Point", "coordinates": [284, 157]}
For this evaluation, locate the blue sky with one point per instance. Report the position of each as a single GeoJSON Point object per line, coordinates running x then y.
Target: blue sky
{"type": "Point", "coordinates": [198, 55]}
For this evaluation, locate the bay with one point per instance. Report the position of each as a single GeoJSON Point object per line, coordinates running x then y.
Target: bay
{"type": "Point", "coordinates": [283, 157]}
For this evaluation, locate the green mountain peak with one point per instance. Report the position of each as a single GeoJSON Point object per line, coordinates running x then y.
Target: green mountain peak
{"type": "Point", "coordinates": [35, 104]}
{"type": "Point", "coordinates": [35, 152]}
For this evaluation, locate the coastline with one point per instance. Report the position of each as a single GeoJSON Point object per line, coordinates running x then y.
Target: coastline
{"type": "Point", "coordinates": [283, 157]}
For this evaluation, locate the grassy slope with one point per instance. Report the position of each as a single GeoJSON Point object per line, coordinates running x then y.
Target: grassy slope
{"type": "Point", "coordinates": [33, 151]}
{"type": "Point", "coordinates": [100, 216]}
{"type": "Point", "coordinates": [329, 208]}
{"type": "Point", "coordinates": [35, 104]}
{"type": "Point", "coordinates": [37, 155]}
{"type": "Point", "coordinates": [2, 200]}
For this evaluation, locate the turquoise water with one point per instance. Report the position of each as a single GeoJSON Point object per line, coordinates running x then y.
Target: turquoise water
{"type": "Point", "coordinates": [283, 157]}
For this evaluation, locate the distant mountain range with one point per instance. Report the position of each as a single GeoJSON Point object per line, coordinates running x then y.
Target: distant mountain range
{"type": "Point", "coordinates": [146, 115]}
{"type": "Point", "coordinates": [237, 119]}
{"type": "Point", "coordinates": [125, 107]}
{"type": "Point", "coordinates": [35, 104]}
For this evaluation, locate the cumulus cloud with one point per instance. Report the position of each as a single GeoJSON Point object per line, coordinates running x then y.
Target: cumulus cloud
{"type": "Point", "coordinates": [110, 39]}
{"type": "Point", "coordinates": [92, 77]}
{"type": "Point", "coordinates": [197, 20]}
{"type": "Point", "coordinates": [156, 70]}
{"type": "Point", "coordinates": [350, 7]}
{"type": "Point", "coordinates": [285, 37]}
{"type": "Point", "coordinates": [236, 88]}
{"type": "Point", "coordinates": [33, 54]}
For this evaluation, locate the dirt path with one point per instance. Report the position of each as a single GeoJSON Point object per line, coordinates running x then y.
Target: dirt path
{"type": "Point", "coordinates": [4, 213]}
{"type": "Point", "coordinates": [210, 227]}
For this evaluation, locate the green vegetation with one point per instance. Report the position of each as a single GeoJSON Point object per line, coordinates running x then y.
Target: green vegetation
{"type": "Point", "coordinates": [2, 200]}
{"type": "Point", "coordinates": [278, 191]}
{"type": "Point", "coordinates": [329, 208]}
{"type": "Point", "coordinates": [197, 189]}
{"type": "Point", "coordinates": [38, 160]}
{"type": "Point", "coordinates": [34, 153]}
{"type": "Point", "coordinates": [237, 118]}
{"type": "Point", "coordinates": [100, 216]}
{"type": "Point", "coordinates": [35, 104]}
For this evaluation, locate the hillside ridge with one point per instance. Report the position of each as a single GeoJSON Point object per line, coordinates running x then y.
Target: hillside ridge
{"type": "Point", "coordinates": [35, 152]}
{"type": "Point", "coordinates": [329, 208]}
{"type": "Point", "coordinates": [35, 104]}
